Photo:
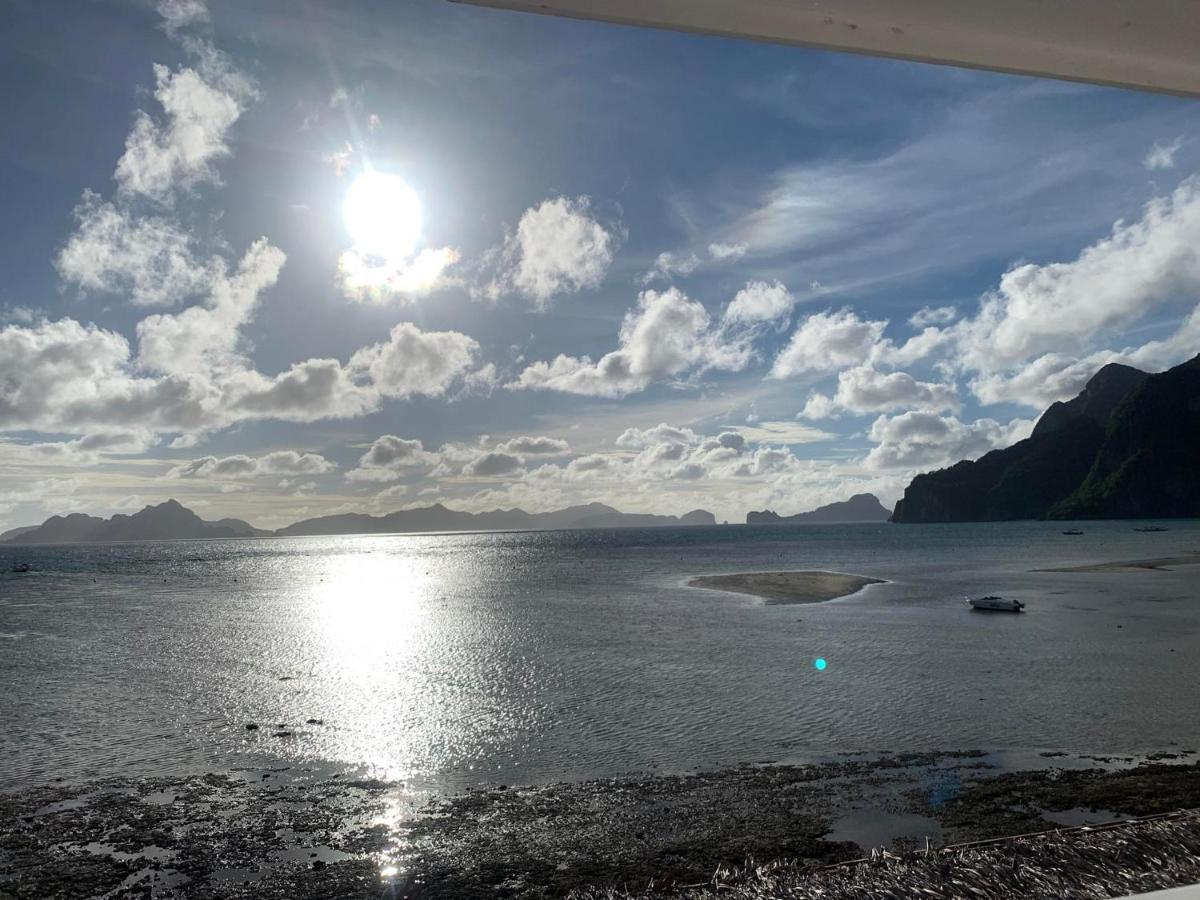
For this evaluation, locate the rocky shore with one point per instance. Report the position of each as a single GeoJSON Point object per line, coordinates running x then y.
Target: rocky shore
{"type": "Point", "coordinates": [292, 834]}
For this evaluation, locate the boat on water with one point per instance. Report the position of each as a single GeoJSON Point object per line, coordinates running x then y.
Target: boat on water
{"type": "Point", "coordinates": [996, 604]}
{"type": "Point", "coordinates": [1150, 528]}
{"type": "Point", "coordinates": [19, 567]}
{"type": "Point", "coordinates": [1072, 531]}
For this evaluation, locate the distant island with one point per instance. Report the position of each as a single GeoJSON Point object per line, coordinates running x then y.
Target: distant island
{"type": "Point", "coordinates": [439, 518]}
{"type": "Point", "coordinates": [1127, 447]}
{"type": "Point", "coordinates": [173, 521]}
{"type": "Point", "coordinates": [166, 521]}
{"type": "Point", "coordinates": [859, 508]}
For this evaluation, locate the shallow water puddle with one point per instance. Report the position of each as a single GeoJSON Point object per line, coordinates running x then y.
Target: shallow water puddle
{"type": "Point", "coordinates": [1081, 815]}
{"type": "Point", "coordinates": [873, 826]}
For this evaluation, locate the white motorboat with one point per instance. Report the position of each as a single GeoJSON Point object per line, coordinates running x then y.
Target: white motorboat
{"type": "Point", "coordinates": [996, 604]}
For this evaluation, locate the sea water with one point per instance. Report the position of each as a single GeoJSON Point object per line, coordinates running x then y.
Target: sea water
{"type": "Point", "coordinates": [479, 659]}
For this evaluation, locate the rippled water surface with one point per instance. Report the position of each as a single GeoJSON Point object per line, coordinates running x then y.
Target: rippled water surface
{"type": "Point", "coordinates": [527, 657]}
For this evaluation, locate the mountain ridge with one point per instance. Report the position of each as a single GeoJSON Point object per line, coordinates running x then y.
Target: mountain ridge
{"type": "Point", "coordinates": [173, 521]}
{"type": "Point", "coordinates": [859, 508]}
{"type": "Point", "coordinates": [1128, 446]}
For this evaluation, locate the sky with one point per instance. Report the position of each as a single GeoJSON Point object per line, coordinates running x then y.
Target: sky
{"type": "Point", "coordinates": [280, 260]}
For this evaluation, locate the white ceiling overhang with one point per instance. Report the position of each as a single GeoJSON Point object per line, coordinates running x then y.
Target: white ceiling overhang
{"type": "Point", "coordinates": [1149, 45]}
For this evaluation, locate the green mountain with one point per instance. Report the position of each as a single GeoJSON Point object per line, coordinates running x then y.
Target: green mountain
{"type": "Point", "coordinates": [1127, 447]}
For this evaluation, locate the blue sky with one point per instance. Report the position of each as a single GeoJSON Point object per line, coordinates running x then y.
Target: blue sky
{"type": "Point", "coordinates": [589, 262]}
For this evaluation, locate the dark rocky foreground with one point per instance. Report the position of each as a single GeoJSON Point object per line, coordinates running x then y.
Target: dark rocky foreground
{"type": "Point", "coordinates": [287, 834]}
{"type": "Point", "coordinates": [1137, 855]}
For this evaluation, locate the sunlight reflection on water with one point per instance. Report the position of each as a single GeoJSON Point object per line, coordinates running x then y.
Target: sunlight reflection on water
{"type": "Point", "coordinates": [464, 660]}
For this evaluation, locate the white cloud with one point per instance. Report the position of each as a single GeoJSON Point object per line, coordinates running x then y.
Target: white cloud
{"type": "Point", "coordinates": [1141, 267]}
{"type": "Point", "coordinates": [557, 248]}
{"type": "Point", "coordinates": [279, 462]}
{"type": "Point", "coordinates": [179, 152]}
{"type": "Point", "coordinates": [415, 362]}
{"type": "Point", "coordinates": [306, 392]}
{"type": "Point", "coordinates": [38, 493]}
{"type": "Point", "coordinates": [51, 367]}
{"type": "Point", "coordinates": [179, 14]}
{"type": "Point", "coordinates": [668, 264]}
{"type": "Point", "coordinates": [668, 335]}
{"type": "Point", "coordinates": [494, 463]}
{"type": "Point", "coordinates": [378, 280]}
{"type": "Point", "coordinates": [726, 252]}
{"type": "Point", "coordinates": [864, 390]}
{"type": "Point", "coordinates": [88, 450]}
{"type": "Point", "coordinates": [1162, 154]}
{"type": "Point", "coordinates": [760, 302]}
{"type": "Point", "coordinates": [203, 339]}
{"type": "Point", "coordinates": [930, 315]}
{"type": "Point", "coordinates": [925, 440]}
{"type": "Point", "coordinates": [640, 438]}
{"type": "Point", "coordinates": [827, 342]}
{"type": "Point", "coordinates": [150, 258]}
{"type": "Point", "coordinates": [340, 160]}
{"type": "Point", "coordinates": [781, 433]}
{"type": "Point", "coordinates": [534, 446]}
{"type": "Point", "coordinates": [390, 457]}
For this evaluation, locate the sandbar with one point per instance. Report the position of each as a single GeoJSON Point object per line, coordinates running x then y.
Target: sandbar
{"type": "Point", "coordinates": [779, 588]}
{"type": "Point", "coordinates": [1134, 565]}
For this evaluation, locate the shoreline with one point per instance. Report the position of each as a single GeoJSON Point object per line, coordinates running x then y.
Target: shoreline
{"type": "Point", "coordinates": [786, 588]}
{"type": "Point", "coordinates": [1153, 564]}
{"type": "Point", "coordinates": [304, 836]}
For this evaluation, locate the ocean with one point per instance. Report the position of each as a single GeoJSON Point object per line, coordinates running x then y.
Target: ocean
{"type": "Point", "coordinates": [473, 660]}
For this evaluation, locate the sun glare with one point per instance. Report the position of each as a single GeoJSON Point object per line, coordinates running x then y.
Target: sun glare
{"type": "Point", "coordinates": [383, 216]}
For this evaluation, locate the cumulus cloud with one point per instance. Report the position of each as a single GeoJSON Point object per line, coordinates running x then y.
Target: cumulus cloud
{"type": "Point", "coordinates": [668, 335]}
{"type": "Point", "coordinates": [280, 462]}
{"type": "Point", "coordinates": [930, 315]}
{"type": "Point", "coordinates": [391, 457]}
{"type": "Point", "coordinates": [640, 438]}
{"type": "Point", "coordinates": [179, 150]}
{"type": "Point", "coordinates": [415, 362]}
{"type": "Point", "coordinates": [52, 366]}
{"type": "Point", "coordinates": [668, 264]}
{"type": "Point", "coordinates": [203, 339]}
{"type": "Point", "coordinates": [71, 378]}
{"type": "Point", "coordinates": [726, 252]}
{"type": "Point", "coordinates": [827, 342]}
{"type": "Point", "coordinates": [1141, 267]}
{"type": "Point", "coordinates": [307, 391]}
{"type": "Point", "coordinates": [1040, 335]}
{"type": "Point", "coordinates": [557, 248]}
{"type": "Point", "coordinates": [493, 463]}
{"type": "Point", "coordinates": [759, 302]}
{"type": "Point", "coordinates": [925, 440]}
{"type": "Point", "coordinates": [150, 259]}
{"type": "Point", "coordinates": [534, 446]}
{"type": "Point", "coordinates": [379, 280]}
{"type": "Point", "coordinates": [864, 390]}
{"type": "Point", "coordinates": [1162, 154]}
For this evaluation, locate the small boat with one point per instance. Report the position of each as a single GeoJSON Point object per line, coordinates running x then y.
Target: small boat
{"type": "Point", "coordinates": [996, 604]}
{"type": "Point", "coordinates": [1072, 531]}
{"type": "Point", "coordinates": [20, 567]}
{"type": "Point", "coordinates": [1150, 528]}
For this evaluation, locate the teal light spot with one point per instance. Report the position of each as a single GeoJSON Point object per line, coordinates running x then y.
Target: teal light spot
{"type": "Point", "coordinates": [819, 663]}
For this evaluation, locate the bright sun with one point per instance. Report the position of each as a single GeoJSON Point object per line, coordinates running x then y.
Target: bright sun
{"type": "Point", "coordinates": [383, 215]}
